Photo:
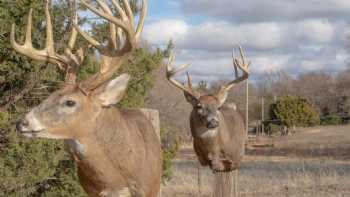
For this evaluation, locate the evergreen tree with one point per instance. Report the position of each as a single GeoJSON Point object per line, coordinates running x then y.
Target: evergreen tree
{"type": "Point", "coordinates": [294, 111]}
{"type": "Point", "coordinates": [170, 47]}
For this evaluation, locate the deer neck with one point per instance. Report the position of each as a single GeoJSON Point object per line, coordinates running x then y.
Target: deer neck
{"type": "Point", "coordinates": [104, 129]}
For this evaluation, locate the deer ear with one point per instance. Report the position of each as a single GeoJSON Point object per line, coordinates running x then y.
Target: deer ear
{"type": "Point", "coordinates": [113, 92]}
{"type": "Point", "coordinates": [191, 99]}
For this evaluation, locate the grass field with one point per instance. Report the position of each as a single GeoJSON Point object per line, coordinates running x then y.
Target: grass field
{"type": "Point", "coordinates": [313, 163]}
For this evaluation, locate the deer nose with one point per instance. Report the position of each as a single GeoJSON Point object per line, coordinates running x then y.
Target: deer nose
{"type": "Point", "coordinates": [22, 124]}
{"type": "Point", "coordinates": [213, 124]}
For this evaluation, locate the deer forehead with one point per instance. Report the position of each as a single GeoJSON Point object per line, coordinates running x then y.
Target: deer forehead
{"type": "Point", "coordinates": [54, 105]}
{"type": "Point", "coordinates": [209, 100]}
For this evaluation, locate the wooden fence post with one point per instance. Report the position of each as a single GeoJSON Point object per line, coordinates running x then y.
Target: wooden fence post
{"type": "Point", "coordinates": [199, 180]}
{"type": "Point", "coordinates": [153, 116]}
{"type": "Point", "coordinates": [226, 184]}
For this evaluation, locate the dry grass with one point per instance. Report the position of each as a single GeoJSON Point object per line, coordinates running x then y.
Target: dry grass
{"type": "Point", "coordinates": [267, 172]}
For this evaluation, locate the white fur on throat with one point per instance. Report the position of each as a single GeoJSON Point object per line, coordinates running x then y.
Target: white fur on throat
{"type": "Point", "coordinates": [204, 132]}
{"type": "Point", "coordinates": [77, 148]}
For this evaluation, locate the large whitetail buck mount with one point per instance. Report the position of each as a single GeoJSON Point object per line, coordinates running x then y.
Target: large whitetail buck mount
{"type": "Point", "coordinates": [117, 151]}
{"type": "Point", "coordinates": [218, 131]}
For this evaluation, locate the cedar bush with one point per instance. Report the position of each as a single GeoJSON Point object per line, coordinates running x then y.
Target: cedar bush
{"type": "Point", "coordinates": [294, 111]}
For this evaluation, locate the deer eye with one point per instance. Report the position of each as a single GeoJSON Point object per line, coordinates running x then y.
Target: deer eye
{"type": "Point", "coordinates": [70, 103]}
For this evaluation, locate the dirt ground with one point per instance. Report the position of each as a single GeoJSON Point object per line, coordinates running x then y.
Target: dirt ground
{"type": "Point", "coordinates": [315, 162]}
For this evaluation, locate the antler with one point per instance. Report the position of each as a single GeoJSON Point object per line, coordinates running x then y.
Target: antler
{"type": "Point", "coordinates": [67, 62]}
{"type": "Point", "coordinates": [122, 40]}
{"type": "Point", "coordinates": [241, 64]}
{"type": "Point", "coordinates": [171, 72]}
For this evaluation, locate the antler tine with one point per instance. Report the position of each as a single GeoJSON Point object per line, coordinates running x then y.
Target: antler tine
{"type": "Point", "coordinates": [122, 37]}
{"type": "Point", "coordinates": [129, 12]}
{"type": "Point", "coordinates": [112, 19]}
{"type": "Point", "coordinates": [241, 65]}
{"type": "Point", "coordinates": [50, 48]}
{"type": "Point", "coordinates": [142, 19]}
{"type": "Point", "coordinates": [27, 49]}
{"type": "Point", "coordinates": [79, 56]}
{"type": "Point", "coordinates": [28, 39]}
{"type": "Point", "coordinates": [112, 28]}
{"type": "Point", "coordinates": [171, 72]}
{"type": "Point", "coordinates": [65, 62]}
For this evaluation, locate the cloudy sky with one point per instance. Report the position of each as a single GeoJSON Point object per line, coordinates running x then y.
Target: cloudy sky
{"type": "Point", "coordinates": [292, 35]}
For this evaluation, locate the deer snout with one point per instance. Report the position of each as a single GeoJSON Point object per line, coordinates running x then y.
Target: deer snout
{"type": "Point", "coordinates": [29, 124]}
{"type": "Point", "coordinates": [212, 124]}
{"type": "Point", "coordinates": [22, 125]}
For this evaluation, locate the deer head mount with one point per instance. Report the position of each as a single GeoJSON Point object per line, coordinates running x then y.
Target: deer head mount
{"type": "Point", "coordinates": [107, 143]}
{"type": "Point", "coordinates": [122, 40]}
{"type": "Point", "coordinates": [218, 131]}
{"type": "Point", "coordinates": [207, 106]}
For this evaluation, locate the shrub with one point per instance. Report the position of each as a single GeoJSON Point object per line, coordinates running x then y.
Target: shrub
{"type": "Point", "coordinates": [170, 147]}
{"type": "Point", "coordinates": [331, 120]}
{"type": "Point", "coordinates": [273, 128]}
{"type": "Point", "coordinates": [294, 111]}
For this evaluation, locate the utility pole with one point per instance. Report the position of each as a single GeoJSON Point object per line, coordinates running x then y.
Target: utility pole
{"type": "Point", "coordinates": [262, 115]}
{"type": "Point", "coordinates": [247, 107]}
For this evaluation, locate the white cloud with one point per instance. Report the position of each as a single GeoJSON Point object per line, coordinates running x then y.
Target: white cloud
{"type": "Point", "coordinates": [316, 30]}
{"type": "Point", "coordinates": [222, 36]}
{"type": "Point", "coordinates": [267, 10]}
{"type": "Point", "coordinates": [162, 31]}
{"type": "Point", "coordinates": [266, 64]}
{"type": "Point", "coordinates": [311, 65]}
{"type": "Point", "coordinates": [262, 35]}
{"type": "Point", "coordinates": [295, 36]}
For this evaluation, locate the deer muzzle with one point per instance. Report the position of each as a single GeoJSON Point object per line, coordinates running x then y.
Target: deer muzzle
{"type": "Point", "coordinates": [212, 124]}
{"type": "Point", "coordinates": [29, 126]}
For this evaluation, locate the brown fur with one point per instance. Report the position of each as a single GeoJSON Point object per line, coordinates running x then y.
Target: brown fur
{"type": "Point", "coordinates": [223, 151]}
{"type": "Point", "coordinates": [121, 147]}
{"type": "Point", "coordinates": [113, 158]}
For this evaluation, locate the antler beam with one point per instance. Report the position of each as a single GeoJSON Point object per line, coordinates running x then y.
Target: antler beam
{"type": "Point", "coordinates": [242, 65]}
{"type": "Point", "coordinates": [171, 72]}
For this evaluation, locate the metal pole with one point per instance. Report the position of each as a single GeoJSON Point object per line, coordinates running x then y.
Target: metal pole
{"type": "Point", "coordinates": [199, 179]}
{"type": "Point", "coordinates": [262, 115]}
{"type": "Point", "coordinates": [247, 107]}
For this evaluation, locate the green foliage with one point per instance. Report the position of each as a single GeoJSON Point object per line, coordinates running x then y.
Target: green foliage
{"type": "Point", "coordinates": [141, 81]}
{"type": "Point", "coordinates": [30, 167]}
{"type": "Point", "coordinates": [34, 167]}
{"type": "Point", "coordinates": [170, 148]}
{"type": "Point", "coordinates": [343, 106]}
{"type": "Point", "coordinates": [4, 118]}
{"type": "Point", "coordinates": [168, 156]}
{"type": "Point", "coordinates": [170, 47]}
{"type": "Point", "coordinates": [203, 86]}
{"type": "Point", "coordinates": [273, 128]}
{"type": "Point", "coordinates": [331, 120]}
{"type": "Point", "coordinates": [294, 111]}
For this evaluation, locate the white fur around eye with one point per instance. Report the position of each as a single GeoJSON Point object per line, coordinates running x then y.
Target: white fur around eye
{"type": "Point", "coordinates": [64, 109]}
{"type": "Point", "coordinates": [67, 110]}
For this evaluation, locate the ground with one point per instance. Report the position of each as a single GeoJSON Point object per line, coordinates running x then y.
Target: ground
{"type": "Point", "coordinates": [315, 162]}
